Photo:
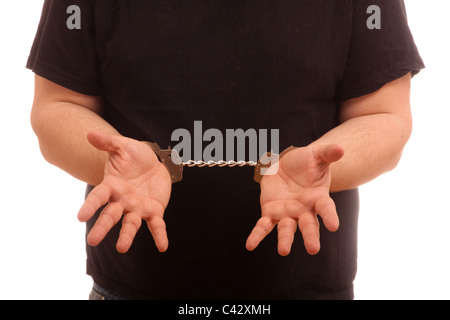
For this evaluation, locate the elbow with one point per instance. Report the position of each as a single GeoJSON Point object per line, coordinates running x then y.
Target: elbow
{"type": "Point", "coordinates": [34, 120]}
{"type": "Point", "coordinates": [404, 136]}
{"type": "Point", "coordinates": [46, 151]}
{"type": "Point", "coordinates": [37, 119]}
{"type": "Point", "coordinates": [38, 124]}
{"type": "Point", "coordinates": [395, 161]}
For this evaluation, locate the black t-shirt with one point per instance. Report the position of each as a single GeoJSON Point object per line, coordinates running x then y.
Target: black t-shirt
{"type": "Point", "coordinates": [263, 64]}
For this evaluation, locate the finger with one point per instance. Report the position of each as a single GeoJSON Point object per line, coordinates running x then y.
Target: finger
{"type": "Point", "coordinates": [327, 154]}
{"type": "Point", "coordinates": [326, 209]}
{"type": "Point", "coordinates": [97, 198]}
{"type": "Point", "coordinates": [130, 225]}
{"type": "Point", "coordinates": [108, 218]}
{"type": "Point", "coordinates": [286, 231]}
{"type": "Point", "coordinates": [104, 141]}
{"type": "Point", "coordinates": [309, 227]}
{"type": "Point", "coordinates": [262, 228]}
{"type": "Point", "coordinates": [157, 227]}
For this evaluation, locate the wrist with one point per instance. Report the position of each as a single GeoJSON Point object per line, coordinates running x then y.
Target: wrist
{"type": "Point", "coordinates": [170, 159]}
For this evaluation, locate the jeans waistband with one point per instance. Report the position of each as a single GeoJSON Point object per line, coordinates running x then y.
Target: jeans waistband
{"type": "Point", "coordinates": [100, 293]}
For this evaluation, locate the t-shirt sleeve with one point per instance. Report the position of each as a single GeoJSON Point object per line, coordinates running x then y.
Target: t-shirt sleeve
{"type": "Point", "coordinates": [64, 49]}
{"type": "Point", "coordinates": [382, 48]}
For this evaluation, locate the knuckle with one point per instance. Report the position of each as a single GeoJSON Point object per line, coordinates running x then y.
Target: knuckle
{"type": "Point", "coordinates": [132, 220]}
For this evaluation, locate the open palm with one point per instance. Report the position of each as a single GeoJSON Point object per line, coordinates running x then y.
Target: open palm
{"type": "Point", "coordinates": [135, 185]}
{"type": "Point", "coordinates": [295, 195]}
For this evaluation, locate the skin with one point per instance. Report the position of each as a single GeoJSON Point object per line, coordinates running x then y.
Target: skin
{"type": "Point", "coordinates": [136, 186]}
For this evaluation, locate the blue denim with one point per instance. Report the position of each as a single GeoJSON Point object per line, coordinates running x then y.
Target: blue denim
{"type": "Point", "coordinates": [100, 293]}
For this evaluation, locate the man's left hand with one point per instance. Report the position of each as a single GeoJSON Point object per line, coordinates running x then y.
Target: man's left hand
{"type": "Point", "coordinates": [295, 195]}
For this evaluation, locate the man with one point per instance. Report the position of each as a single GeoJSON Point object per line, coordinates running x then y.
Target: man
{"type": "Point", "coordinates": [332, 76]}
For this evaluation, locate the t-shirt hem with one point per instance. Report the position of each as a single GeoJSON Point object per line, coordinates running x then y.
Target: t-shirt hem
{"type": "Point", "coordinates": [373, 85]}
{"type": "Point", "coordinates": [127, 293]}
{"type": "Point", "coordinates": [119, 289]}
{"type": "Point", "coordinates": [61, 78]}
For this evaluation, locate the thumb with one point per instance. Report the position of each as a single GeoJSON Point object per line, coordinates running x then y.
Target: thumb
{"type": "Point", "coordinates": [327, 154]}
{"type": "Point", "coordinates": [104, 141]}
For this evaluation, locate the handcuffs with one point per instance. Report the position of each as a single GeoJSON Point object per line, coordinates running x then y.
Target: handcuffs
{"type": "Point", "coordinates": [174, 165]}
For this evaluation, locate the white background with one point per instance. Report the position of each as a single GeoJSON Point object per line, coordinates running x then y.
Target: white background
{"type": "Point", "coordinates": [404, 219]}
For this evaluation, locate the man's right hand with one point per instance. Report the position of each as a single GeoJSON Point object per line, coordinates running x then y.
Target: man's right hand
{"type": "Point", "coordinates": [136, 186]}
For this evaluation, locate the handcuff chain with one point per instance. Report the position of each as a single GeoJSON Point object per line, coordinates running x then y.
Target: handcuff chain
{"type": "Point", "coordinates": [220, 163]}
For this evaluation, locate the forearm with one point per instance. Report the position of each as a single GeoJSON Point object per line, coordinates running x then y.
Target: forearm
{"type": "Point", "coordinates": [373, 145]}
{"type": "Point", "coordinates": [62, 131]}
